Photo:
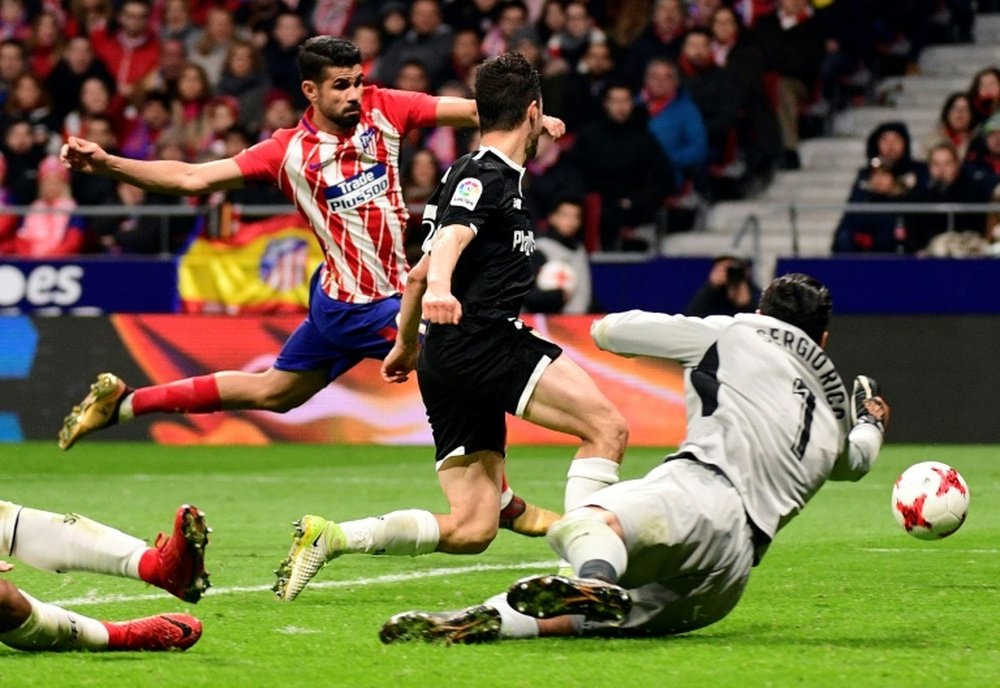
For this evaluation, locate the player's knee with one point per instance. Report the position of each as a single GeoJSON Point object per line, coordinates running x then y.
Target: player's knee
{"type": "Point", "coordinates": [280, 402]}
{"type": "Point", "coordinates": [14, 608]}
{"type": "Point", "coordinates": [613, 432]}
{"type": "Point", "coordinates": [281, 398]}
{"type": "Point", "coordinates": [472, 537]}
{"type": "Point", "coordinates": [276, 391]}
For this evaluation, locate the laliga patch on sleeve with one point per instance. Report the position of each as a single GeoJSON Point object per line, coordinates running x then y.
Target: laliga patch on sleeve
{"type": "Point", "coordinates": [467, 193]}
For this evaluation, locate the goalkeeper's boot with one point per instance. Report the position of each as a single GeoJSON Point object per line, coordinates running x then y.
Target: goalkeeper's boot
{"type": "Point", "coordinates": [479, 624]}
{"type": "Point", "coordinates": [527, 519]}
{"type": "Point", "coordinates": [154, 633]}
{"type": "Point", "coordinates": [546, 596]}
{"type": "Point", "coordinates": [99, 409]}
{"type": "Point", "coordinates": [177, 562]}
{"type": "Point", "coordinates": [315, 541]}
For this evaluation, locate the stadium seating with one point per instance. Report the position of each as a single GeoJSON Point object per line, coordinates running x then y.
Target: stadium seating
{"type": "Point", "coordinates": [830, 163]}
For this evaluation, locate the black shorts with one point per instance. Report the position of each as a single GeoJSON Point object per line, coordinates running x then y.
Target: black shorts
{"type": "Point", "coordinates": [470, 377]}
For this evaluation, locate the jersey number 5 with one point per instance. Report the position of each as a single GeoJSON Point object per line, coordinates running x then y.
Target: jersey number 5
{"type": "Point", "coordinates": [805, 423]}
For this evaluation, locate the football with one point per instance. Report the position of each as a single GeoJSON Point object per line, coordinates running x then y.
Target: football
{"type": "Point", "coordinates": [930, 500]}
{"type": "Point", "coordinates": [557, 274]}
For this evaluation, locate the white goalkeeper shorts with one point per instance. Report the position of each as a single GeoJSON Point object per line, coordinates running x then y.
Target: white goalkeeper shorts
{"type": "Point", "coordinates": [8, 519]}
{"type": "Point", "coordinates": [690, 547]}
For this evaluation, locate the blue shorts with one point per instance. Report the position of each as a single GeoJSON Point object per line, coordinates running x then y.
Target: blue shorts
{"type": "Point", "coordinates": [336, 335]}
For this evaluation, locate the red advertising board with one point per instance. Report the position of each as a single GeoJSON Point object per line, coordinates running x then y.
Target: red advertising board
{"type": "Point", "coordinates": [359, 407]}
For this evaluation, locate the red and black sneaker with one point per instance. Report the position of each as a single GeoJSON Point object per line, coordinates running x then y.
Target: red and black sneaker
{"type": "Point", "coordinates": [154, 633]}
{"type": "Point", "coordinates": [177, 563]}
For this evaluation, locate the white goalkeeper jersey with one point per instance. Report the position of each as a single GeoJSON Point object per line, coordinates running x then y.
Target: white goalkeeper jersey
{"type": "Point", "coordinates": [765, 404]}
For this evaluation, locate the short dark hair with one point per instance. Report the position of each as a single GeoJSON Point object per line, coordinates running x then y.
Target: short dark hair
{"type": "Point", "coordinates": [698, 31]}
{"type": "Point", "coordinates": [945, 146]}
{"type": "Point", "coordinates": [505, 87]}
{"type": "Point", "coordinates": [566, 199]}
{"type": "Point", "coordinates": [157, 96]}
{"type": "Point", "coordinates": [414, 62]}
{"type": "Point", "coordinates": [799, 300]}
{"type": "Point", "coordinates": [239, 130]}
{"type": "Point", "coordinates": [320, 52]}
{"type": "Point", "coordinates": [13, 42]}
{"type": "Point", "coordinates": [101, 117]}
{"type": "Point", "coordinates": [507, 4]}
{"type": "Point", "coordinates": [616, 85]}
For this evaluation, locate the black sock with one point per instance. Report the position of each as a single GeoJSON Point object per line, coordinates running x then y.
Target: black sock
{"type": "Point", "coordinates": [599, 569]}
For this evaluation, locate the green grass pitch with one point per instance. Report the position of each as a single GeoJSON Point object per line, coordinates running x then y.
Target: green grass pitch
{"type": "Point", "coordinates": [844, 597]}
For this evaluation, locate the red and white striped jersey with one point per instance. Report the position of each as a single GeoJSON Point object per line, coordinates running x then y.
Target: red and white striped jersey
{"type": "Point", "coordinates": [348, 188]}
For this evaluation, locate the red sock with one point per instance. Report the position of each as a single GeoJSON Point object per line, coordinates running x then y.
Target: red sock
{"type": "Point", "coordinates": [116, 635]}
{"type": "Point", "coordinates": [149, 566]}
{"type": "Point", "coordinates": [192, 395]}
{"type": "Point", "coordinates": [514, 507]}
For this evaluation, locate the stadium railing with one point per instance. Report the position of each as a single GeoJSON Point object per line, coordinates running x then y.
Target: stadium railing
{"type": "Point", "coordinates": [753, 224]}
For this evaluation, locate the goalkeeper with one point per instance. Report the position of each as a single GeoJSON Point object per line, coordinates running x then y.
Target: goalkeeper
{"type": "Point", "coordinates": [769, 421]}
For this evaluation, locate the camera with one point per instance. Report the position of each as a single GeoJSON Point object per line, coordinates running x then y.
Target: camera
{"type": "Point", "coordinates": [736, 273]}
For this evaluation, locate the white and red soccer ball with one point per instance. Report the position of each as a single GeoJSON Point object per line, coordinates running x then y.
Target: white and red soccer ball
{"type": "Point", "coordinates": [557, 274]}
{"type": "Point", "coordinates": [930, 500]}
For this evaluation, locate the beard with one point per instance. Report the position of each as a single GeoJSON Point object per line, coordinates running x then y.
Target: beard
{"type": "Point", "coordinates": [531, 146]}
{"type": "Point", "coordinates": [348, 119]}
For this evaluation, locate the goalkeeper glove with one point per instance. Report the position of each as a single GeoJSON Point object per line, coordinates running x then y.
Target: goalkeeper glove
{"type": "Point", "coordinates": [869, 406]}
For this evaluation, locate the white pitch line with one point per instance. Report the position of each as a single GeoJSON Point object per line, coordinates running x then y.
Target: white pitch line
{"type": "Point", "coordinates": [899, 550]}
{"type": "Point", "coordinates": [356, 582]}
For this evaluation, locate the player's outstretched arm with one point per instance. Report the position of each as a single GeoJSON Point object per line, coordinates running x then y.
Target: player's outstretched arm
{"type": "Point", "coordinates": [640, 333]}
{"type": "Point", "coordinates": [165, 176]}
{"type": "Point", "coordinates": [462, 112]}
{"type": "Point", "coordinates": [456, 112]}
{"type": "Point", "coordinates": [439, 305]}
{"type": "Point", "coordinates": [403, 357]}
{"type": "Point", "coordinates": [869, 418]}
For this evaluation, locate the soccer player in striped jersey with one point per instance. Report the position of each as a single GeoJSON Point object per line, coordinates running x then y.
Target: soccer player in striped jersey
{"type": "Point", "coordinates": [70, 542]}
{"type": "Point", "coordinates": [340, 167]}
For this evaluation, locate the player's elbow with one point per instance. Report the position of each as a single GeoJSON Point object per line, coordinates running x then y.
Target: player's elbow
{"type": "Point", "coordinates": [418, 275]}
{"type": "Point", "coordinates": [193, 184]}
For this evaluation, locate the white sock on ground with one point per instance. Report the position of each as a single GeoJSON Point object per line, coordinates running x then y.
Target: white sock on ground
{"type": "Point", "coordinates": [582, 536]}
{"type": "Point", "coordinates": [409, 532]}
{"type": "Point", "coordinates": [585, 477]}
{"type": "Point", "coordinates": [69, 542]}
{"type": "Point", "coordinates": [125, 412]}
{"type": "Point", "coordinates": [53, 628]}
{"type": "Point", "coordinates": [505, 497]}
{"type": "Point", "coordinates": [513, 624]}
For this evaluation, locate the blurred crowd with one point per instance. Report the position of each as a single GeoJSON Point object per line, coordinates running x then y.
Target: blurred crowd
{"type": "Point", "coordinates": [960, 163]}
{"type": "Point", "coordinates": [668, 103]}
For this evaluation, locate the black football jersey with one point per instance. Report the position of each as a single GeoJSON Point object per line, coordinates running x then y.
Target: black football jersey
{"type": "Point", "coordinates": [482, 190]}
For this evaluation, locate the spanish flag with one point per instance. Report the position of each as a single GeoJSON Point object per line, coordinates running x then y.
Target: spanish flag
{"type": "Point", "coordinates": [263, 267]}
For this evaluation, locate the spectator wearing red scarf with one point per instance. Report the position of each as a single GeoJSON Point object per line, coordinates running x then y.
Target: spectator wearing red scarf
{"type": "Point", "coordinates": [712, 90]}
